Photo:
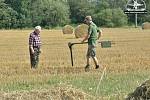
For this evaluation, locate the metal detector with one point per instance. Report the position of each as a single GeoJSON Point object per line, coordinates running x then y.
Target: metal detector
{"type": "Point", "coordinates": [104, 44]}
{"type": "Point", "coordinates": [70, 47]}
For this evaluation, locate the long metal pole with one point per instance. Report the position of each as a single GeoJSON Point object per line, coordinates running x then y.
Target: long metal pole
{"type": "Point", "coordinates": [135, 1]}
{"type": "Point", "coordinates": [71, 56]}
{"type": "Point", "coordinates": [135, 20]}
{"type": "Point", "coordinates": [70, 47]}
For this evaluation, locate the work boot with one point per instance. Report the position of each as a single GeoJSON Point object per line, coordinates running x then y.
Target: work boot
{"type": "Point", "coordinates": [87, 68]}
{"type": "Point", "coordinates": [97, 66]}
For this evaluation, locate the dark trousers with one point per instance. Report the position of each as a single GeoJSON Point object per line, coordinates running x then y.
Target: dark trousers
{"type": "Point", "coordinates": [34, 58]}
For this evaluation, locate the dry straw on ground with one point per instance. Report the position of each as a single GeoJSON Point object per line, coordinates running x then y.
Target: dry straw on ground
{"type": "Point", "coordinates": [67, 29]}
{"type": "Point", "coordinates": [81, 30]}
{"type": "Point", "coordinates": [146, 25]}
{"type": "Point", "coordinates": [141, 93]}
{"type": "Point", "coordinates": [57, 93]}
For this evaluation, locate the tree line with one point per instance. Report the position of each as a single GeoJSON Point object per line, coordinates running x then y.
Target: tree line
{"type": "Point", "coordinates": [52, 13]}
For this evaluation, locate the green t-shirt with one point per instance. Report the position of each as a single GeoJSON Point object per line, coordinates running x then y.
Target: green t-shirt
{"type": "Point", "coordinates": [93, 34]}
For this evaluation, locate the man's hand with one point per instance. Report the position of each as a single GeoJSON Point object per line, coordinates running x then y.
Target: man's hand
{"type": "Point", "coordinates": [100, 34]}
{"type": "Point", "coordinates": [31, 48]}
{"type": "Point", "coordinates": [40, 51]}
{"type": "Point", "coordinates": [82, 41]}
{"type": "Point", "coordinates": [85, 38]}
{"type": "Point", "coordinates": [32, 51]}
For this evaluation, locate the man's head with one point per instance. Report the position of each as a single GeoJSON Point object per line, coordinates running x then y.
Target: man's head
{"type": "Point", "coordinates": [88, 19]}
{"type": "Point", "coordinates": [37, 29]}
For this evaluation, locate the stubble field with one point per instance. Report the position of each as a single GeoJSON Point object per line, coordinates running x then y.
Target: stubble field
{"type": "Point", "coordinates": [127, 64]}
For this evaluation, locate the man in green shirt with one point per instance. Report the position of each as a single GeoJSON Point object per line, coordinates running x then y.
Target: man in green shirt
{"type": "Point", "coordinates": [93, 35]}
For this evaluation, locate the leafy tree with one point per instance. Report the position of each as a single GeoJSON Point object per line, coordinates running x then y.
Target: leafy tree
{"type": "Point", "coordinates": [55, 13]}
{"type": "Point", "coordinates": [110, 18]}
{"type": "Point", "coordinates": [104, 18]}
{"type": "Point", "coordinates": [8, 16]}
{"type": "Point", "coordinates": [79, 9]}
{"type": "Point", "coordinates": [51, 13]}
{"type": "Point", "coordinates": [21, 7]}
{"type": "Point", "coordinates": [119, 18]}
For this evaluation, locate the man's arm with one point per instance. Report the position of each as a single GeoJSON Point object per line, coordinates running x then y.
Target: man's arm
{"type": "Point", "coordinates": [31, 44]}
{"type": "Point", "coordinates": [31, 48]}
{"type": "Point", "coordinates": [85, 38]}
{"type": "Point", "coordinates": [88, 35]}
{"type": "Point", "coordinates": [99, 34]}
